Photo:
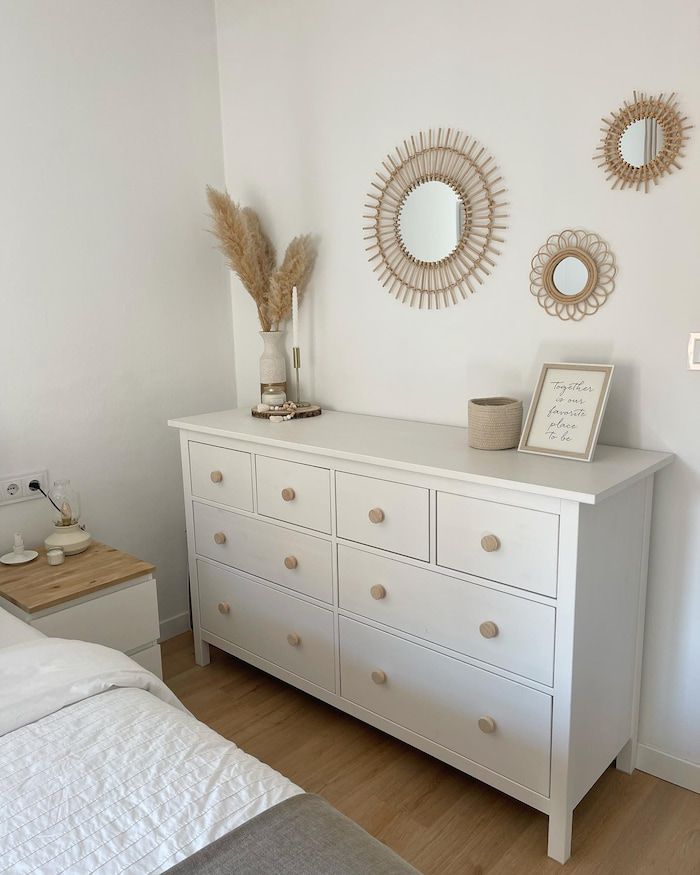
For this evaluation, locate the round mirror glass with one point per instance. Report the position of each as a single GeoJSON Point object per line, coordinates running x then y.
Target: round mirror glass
{"type": "Point", "coordinates": [570, 276]}
{"type": "Point", "coordinates": [641, 142]}
{"type": "Point", "coordinates": [431, 221]}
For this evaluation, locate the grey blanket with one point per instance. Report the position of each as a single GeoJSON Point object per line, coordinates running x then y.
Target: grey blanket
{"type": "Point", "coordinates": [303, 835]}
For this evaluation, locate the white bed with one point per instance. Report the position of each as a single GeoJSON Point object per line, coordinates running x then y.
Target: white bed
{"type": "Point", "coordinates": [103, 770]}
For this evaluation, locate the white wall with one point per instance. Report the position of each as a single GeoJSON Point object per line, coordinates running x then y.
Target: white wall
{"type": "Point", "coordinates": [315, 93]}
{"type": "Point", "coordinates": [114, 307]}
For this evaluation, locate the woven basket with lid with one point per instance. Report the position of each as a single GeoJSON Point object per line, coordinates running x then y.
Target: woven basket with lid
{"type": "Point", "coordinates": [494, 423]}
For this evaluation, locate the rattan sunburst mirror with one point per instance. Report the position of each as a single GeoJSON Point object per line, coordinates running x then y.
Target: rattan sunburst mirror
{"type": "Point", "coordinates": [436, 213]}
{"type": "Point", "coordinates": [572, 274]}
{"type": "Point", "coordinates": [642, 141]}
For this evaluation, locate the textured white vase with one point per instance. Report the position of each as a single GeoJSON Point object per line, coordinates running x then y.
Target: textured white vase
{"type": "Point", "coordinates": [273, 363]}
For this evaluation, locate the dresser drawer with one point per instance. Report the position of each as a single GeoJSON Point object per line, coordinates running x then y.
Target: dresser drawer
{"type": "Point", "coordinates": [293, 492]}
{"type": "Point", "coordinates": [510, 632]}
{"type": "Point", "coordinates": [513, 545]}
{"type": "Point", "coordinates": [284, 630]}
{"type": "Point", "coordinates": [126, 620]}
{"type": "Point", "coordinates": [381, 513]}
{"type": "Point", "coordinates": [220, 474]}
{"type": "Point", "coordinates": [293, 559]}
{"type": "Point", "coordinates": [448, 702]}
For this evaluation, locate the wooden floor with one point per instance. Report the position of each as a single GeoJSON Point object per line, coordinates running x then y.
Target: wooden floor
{"type": "Point", "coordinates": [441, 821]}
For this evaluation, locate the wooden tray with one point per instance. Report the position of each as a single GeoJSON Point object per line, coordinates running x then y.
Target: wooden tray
{"type": "Point", "coordinates": [300, 413]}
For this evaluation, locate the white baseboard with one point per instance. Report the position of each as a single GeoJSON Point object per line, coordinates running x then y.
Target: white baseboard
{"type": "Point", "coordinates": [669, 768]}
{"type": "Point", "coordinates": [174, 625]}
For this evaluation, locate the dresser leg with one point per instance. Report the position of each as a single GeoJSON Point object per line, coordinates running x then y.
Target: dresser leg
{"type": "Point", "coordinates": [627, 758]}
{"type": "Point", "coordinates": [559, 837]}
{"type": "Point", "coordinates": [201, 650]}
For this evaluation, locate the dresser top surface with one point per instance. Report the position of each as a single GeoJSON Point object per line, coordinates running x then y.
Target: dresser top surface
{"type": "Point", "coordinates": [38, 585]}
{"type": "Point", "coordinates": [439, 450]}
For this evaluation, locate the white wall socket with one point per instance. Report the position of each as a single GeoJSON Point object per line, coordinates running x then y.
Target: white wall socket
{"type": "Point", "coordinates": [694, 352]}
{"type": "Point", "coordinates": [14, 489]}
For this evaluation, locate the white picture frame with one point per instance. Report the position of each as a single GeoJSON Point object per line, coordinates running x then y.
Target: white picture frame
{"type": "Point", "coordinates": [567, 410]}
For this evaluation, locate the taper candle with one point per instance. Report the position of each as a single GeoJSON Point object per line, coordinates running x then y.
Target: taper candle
{"type": "Point", "coordinates": [295, 317]}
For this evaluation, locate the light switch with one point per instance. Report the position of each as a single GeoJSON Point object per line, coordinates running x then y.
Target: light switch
{"type": "Point", "coordinates": [694, 352]}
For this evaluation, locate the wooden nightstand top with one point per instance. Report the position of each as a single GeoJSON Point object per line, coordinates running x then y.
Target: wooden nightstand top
{"type": "Point", "coordinates": [38, 585]}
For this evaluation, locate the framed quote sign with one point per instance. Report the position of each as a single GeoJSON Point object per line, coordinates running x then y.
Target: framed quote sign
{"type": "Point", "coordinates": [566, 411]}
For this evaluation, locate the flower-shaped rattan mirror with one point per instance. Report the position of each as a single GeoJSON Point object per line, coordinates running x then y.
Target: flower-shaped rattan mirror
{"type": "Point", "coordinates": [642, 141]}
{"type": "Point", "coordinates": [572, 274]}
{"type": "Point", "coordinates": [435, 215]}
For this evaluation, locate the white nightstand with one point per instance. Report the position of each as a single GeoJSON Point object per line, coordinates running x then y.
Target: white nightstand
{"type": "Point", "coordinates": [101, 595]}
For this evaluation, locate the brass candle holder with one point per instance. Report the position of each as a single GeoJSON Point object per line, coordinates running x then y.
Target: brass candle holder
{"type": "Point", "coordinates": [296, 363]}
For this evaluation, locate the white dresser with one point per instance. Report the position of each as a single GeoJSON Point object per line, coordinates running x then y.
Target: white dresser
{"type": "Point", "coordinates": [485, 607]}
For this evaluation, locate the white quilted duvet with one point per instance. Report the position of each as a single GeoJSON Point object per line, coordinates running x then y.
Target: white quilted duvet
{"type": "Point", "coordinates": [122, 782]}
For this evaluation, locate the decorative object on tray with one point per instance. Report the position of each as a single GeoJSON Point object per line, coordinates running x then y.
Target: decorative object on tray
{"type": "Point", "coordinates": [567, 410]}
{"type": "Point", "coordinates": [494, 423]}
{"type": "Point", "coordinates": [642, 141]}
{"type": "Point", "coordinates": [68, 535]}
{"type": "Point", "coordinates": [18, 555]}
{"type": "Point", "coordinates": [572, 274]}
{"type": "Point", "coordinates": [435, 216]}
{"type": "Point", "coordinates": [251, 256]}
{"type": "Point", "coordinates": [273, 396]}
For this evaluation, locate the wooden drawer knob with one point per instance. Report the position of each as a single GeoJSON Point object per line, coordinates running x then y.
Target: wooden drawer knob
{"type": "Point", "coordinates": [224, 608]}
{"type": "Point", "coordinates": [219, 538]}
{"type": "Point", "coordinates": [288, 494]}
{"type": "Point", "coordinates": [377, 591]}
{"type": "Point", "coordinates": [216, 476]}
{"type": "Point", "coordinates": [290, 562]}
{"type": "Point", "coordinates": [376, 515]}
{"type": "Point", "coordinates": [488, 629]}
{"type": "Point", "coordinates": [293, 639]}
{"type": "Point", "coordinates": [490, 543]}
{"type": "Point", "coordinates": [379, 677]}
{"type": "Point", "coordinates": [487, 724]}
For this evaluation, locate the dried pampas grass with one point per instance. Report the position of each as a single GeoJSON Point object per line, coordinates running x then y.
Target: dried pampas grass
{"type": "Point", "coordinates": [249, 252]}
{"type": "Point", "coordinates": [251, 256]}
{"type": "Point", "coordinates": [295, 270]}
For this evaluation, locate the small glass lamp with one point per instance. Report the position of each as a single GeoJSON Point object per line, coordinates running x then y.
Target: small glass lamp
{"type": "Point", "coordinates": [67, 532]}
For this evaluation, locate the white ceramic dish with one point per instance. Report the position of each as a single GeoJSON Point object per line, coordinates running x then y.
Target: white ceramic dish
{"type": "Point", "coordinates": [18, 558]}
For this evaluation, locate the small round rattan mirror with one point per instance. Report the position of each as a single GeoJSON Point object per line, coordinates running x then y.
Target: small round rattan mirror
{"type": "Point", "coordinates": [435, 215]}
{"type": "Point", "coordinates": [572, 274]}
{"type": "Point", "coordinates": [642, 141]}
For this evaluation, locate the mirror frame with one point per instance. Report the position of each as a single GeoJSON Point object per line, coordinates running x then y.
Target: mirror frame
{"type": "Point", "coordinates": [599, 261]}
{"type": "Point", "coordinates": [459, 161]}
{"type": "Point", "coordinates": [674, 125]}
